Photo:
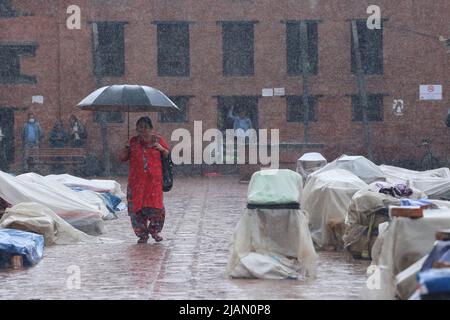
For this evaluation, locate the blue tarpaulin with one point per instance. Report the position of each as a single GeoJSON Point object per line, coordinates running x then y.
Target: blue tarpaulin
{"type": "Point", "coordinates": [434, 281]}
{"type": "Point", "coordinates": [111, 201]}
{"type": "Point", "coordinates": [26, 244]}
{"type": "Point", "coordinates": [440, 253]}
{"type": "Point", "coordinates": [412, 202]}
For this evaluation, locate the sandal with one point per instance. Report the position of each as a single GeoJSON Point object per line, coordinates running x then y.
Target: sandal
{"type": "Point", "coordinates": [157, 238]}
{"type": "Point", "coordinates": [142, 240]}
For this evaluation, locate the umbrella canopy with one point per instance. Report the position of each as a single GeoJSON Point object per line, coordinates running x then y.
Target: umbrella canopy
{"type": "Point", "coordinates": [127, 98]}
{"type": "Point", "coordinates": [124, 98]}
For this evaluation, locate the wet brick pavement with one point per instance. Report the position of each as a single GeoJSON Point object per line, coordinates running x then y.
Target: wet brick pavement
{"type": "Point", "coordinates": [189, 264]}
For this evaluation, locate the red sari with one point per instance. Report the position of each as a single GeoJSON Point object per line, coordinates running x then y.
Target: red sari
{"type": "Point", "coordinates": [145, 176]}
{"type": "Point", "coordinates": [145, 189]}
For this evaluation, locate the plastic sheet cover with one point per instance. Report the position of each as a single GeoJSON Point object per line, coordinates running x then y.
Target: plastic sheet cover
{"type": "Point", "coordinates": [66, 204]}
{"type": "Point", "coordinates": [309, 163]}
{"type": "Point", "coordinates": [360, 166]}
{"type": "Point", "coordinates": [68, 180]}
{"type": "Point", "coordinates": [434, 183]}
{"type": "Point", "coordinates": [37, 218]}
{"type": "Point", "coordinates": [368, 207]}
{"type": "Point", "coordinates": [26, 244]}
{"type": "Point", "coordinates": [272, 244]}
{"type": "Point", "coordinates": [275, 186]}
{"type": "Point", "coordinates": [87, 196]}
{"type": "Point", "coordinates": [403, 243]}
{"type": "Point", "coordinates": [326, 198]}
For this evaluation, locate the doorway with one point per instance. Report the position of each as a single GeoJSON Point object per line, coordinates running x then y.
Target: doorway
{"type": "Point", "coordinates": [7, 143]}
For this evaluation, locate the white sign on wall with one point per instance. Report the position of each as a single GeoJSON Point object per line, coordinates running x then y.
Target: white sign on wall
{"type": "Point", "coordinates": [431, 92]}
{"type": "Point", "coordinates": [279, 92]}
{"type": "Point", "coordinates": [267, 92]}
{"type": "Point", "coordinates": [37, 99]}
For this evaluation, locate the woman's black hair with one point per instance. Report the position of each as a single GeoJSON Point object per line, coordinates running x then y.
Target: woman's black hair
{"type": "Point", "coordinates": [145, 120]}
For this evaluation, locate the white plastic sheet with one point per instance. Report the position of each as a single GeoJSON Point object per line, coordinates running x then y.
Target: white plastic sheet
{"type": "Point", "coordinates": [65, 204]}
{"type": "Point", "coordinates": [275, 186]}
{"type": "Point", "coordinates": [434, 183]}
{"type": "Point", "coordinates": [272, 244]}
{"type": "Point", "coordinates": [363, 168]}
{"type": "Point", "coordinates": [68, 180]}
{"type": "Point", "coordinates": [86, 196]}
{"type": "Point", "coordinates": [364, 204]}
{"type": "Point", "coordinates": [309, 163]}
{"type": "Point", "coordinates": [37, 218]}
{"type": "Point", "coordinates": [402, 244]}
{"type": "Point", "coordinates": [326, 198]}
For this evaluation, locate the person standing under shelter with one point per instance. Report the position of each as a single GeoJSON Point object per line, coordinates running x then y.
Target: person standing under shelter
{"type": "Point", "coordinates": [145, 181]}
{"type": "Point", "coordinates": [77, 132]}
{"type": "Point", "coordinates": [31, 137]}
{"type": "Point", "coordinates": [241, 121]}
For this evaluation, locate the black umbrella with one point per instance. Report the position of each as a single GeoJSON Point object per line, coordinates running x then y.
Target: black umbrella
{"type": "Point", "coordinates": [127, 98]}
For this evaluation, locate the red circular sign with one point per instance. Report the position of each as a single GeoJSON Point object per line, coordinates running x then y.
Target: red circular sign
{"type": "Point", "coordinates": [430, 88]}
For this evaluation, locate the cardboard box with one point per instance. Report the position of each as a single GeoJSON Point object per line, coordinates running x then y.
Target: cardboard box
{"type": "Point", "coordinates": [414, 212]}
{"type": "Point", "coordinates": [443, 235]}
{"type": "Point", "coordinates": [16, 262]}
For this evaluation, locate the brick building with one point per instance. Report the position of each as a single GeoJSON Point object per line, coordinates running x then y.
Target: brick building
{"type": "Point", "coordinates": [209, 55]}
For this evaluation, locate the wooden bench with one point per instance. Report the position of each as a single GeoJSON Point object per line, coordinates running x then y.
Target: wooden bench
{"type": "Point", "coordinates": [61, 156]}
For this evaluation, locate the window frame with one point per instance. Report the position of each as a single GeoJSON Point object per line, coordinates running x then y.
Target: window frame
{"type": "Point", "coordinates": [113, 69]}
{"type": "Point", "coordinates": [179, 56]}
{"type": "Point", "coordinates": [16, 52]}
{"type": "Point", "coordinates": [366, 46]}
{"type": "Point", "coordinates": [232, 54]}
{"type": "Point", "coordinates": [374, 114]}
{"type": "Point", "coordinates": [290, 103]}
{"type": "Point", "coordinates": [293, 53]}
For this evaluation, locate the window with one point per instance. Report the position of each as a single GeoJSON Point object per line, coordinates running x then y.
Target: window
{"type": "Point", "coordinates": [6, 9]}
{"type": "Point", "coordinates": [237, 44]}
{"type": "Point", "coordinates": [294, 47]}
{"type": "Point", "coordinates": [109, 49]}
{"type": "Point", "coordinates": [296, 110]}
{"type": "Point", "coordinates": [175, 115]}
{"type": "Point", "coordinates": [371, 48]}
{"type": "Point", "coordinates": [375, 111]}
{"type": "Point", "coordinates": [246, 104]}
{"type": "Point", "coordinates": [111, 117]}
{"type": "Point", "coordinates": [9, 63]}
{"type": "Point", "coordinates": [10, 55]}
{"type": "Point", "coordinates": [7, 126]}
{"type": "Point", "coordinates": [173, 49]}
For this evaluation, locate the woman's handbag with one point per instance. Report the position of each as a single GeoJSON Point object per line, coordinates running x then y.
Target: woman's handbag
{"type": "Point", "coordinates": [167, 169]}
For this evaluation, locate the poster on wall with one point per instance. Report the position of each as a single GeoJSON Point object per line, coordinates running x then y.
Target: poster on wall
{"type": "Point", "coordinates": [431, 92]}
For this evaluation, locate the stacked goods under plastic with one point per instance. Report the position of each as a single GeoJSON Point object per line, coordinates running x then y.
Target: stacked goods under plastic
{"type": "Point", "coordinates": [65, 202]}
{"type": "Point", "coordinates": [434, 277]}
{"type": "Point", "coordinates": [17, 247]}
{"type": "Point", "coordinates": [326, 199]}
{"type": "Point", "coordinates": [272, 239]}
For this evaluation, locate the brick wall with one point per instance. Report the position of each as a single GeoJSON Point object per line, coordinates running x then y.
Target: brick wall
{"type": "Point", "coordinates": [64, 68]}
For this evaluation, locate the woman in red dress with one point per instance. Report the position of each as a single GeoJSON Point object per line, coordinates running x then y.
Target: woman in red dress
{"type": "Point", "coordinates": [145, 181]}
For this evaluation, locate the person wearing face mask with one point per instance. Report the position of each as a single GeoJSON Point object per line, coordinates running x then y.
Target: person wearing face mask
{"type": "Point", "coordinates": [31, 137]}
